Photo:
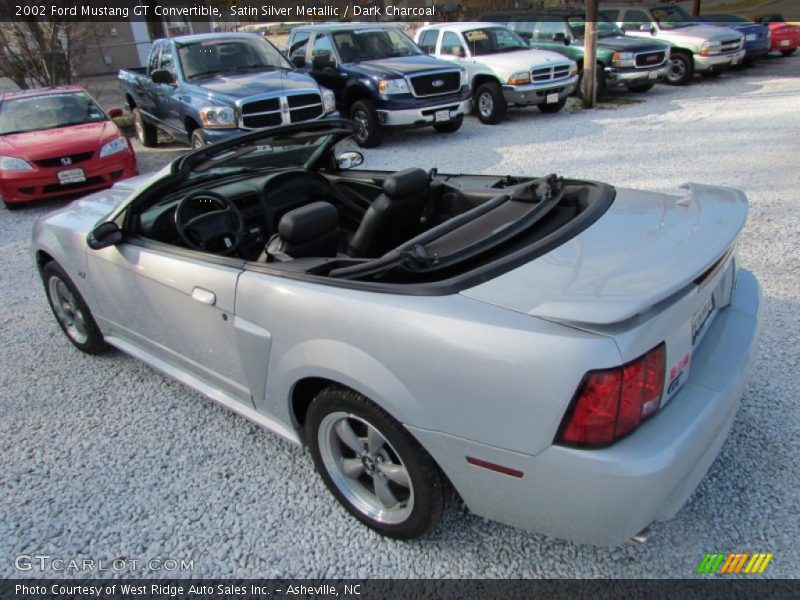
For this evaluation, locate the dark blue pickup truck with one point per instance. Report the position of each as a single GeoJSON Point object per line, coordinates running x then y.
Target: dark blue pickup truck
{"type": "Point", "coordinates": [381, 78]}
{"type": "Point", "coordinates": [204, 88]}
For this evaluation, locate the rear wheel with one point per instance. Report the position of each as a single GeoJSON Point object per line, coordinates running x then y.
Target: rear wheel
{"type": "Point", "coordinates": [490, 104]}
{"type": "Point", "coordinates": [641, 89]}
{"type": "Point", "coordinates": [368, 131]}
{"type": "Point", "coordinates": [681, 68]}
{"type": "Point", "coordinates": [553, 108]}
{"type": "Point", "coordinates": [449, 126]}
{"type": "Point", "coordinates": [146, 133]}
{"type": "Point", "coordinates": [788, 52]}
{"type": "Point", "coordinates": [70, 310]}
{"type": "Point", "coordinates": [373, 466]}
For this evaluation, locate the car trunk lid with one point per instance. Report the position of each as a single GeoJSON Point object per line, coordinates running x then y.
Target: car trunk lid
{"type": "Point", "coordinates": [645, 248]}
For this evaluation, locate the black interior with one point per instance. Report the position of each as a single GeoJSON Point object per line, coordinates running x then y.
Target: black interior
{"type": "Point", "coordinates": [403, 227]}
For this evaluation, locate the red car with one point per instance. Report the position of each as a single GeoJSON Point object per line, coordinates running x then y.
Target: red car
{"type": "Point", "coordinates": [785, 37]}
{"type": "Point", "coordinates": [56, 142]}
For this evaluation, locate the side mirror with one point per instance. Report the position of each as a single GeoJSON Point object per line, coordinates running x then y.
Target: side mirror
{"type": "Point", "coordinates": [115, 112]}
{"type": "Point", "coordinates": [299, 61]}
{"type": "Point", "coordinates": [348, 160]}
{"type": "Point", "coordinates": [321, 61]}
{"type": "Point", "coordinates": [162, 76]}
{"type": "Point", "coordinates": [104, 235]}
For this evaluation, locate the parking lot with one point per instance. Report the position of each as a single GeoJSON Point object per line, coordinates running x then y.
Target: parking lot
{"type": "Point", "coordinates": [105, 458]}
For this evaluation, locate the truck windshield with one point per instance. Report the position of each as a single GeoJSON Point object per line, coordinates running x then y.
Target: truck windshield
{"type": "Point", "coordinates": [373, 44]}
{"type": "Point", "coordinates": [491, 40]}
{"type": "Point", "coordinates": [48, 111]}
{"type": "Point", "coordinates": [205, 58]}
{"type": "Point", "coordinates": [672, 17]}
{"type": "Point", "coordinates": [604, 28]}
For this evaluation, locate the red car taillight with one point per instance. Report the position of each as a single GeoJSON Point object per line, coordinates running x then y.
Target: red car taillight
{"type": "Point", "coordinates": [613, 402]}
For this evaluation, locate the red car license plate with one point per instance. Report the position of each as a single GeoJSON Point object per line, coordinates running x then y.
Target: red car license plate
{"type": "Point", "coordinates": [71, 176]}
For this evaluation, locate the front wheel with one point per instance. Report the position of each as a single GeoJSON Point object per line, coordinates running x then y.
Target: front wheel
{"type": "Point", "coordinates": [681, 68]}
{"type": "Point", "coordinates": [490, 104]}
{"type": "Point", "coordinates": [198, 141]}
{"type": "Point", "coordinates": [373, 466]}
{"type": "Point", "coordinates": [600, 87]}
{"type": "Point", "coordinates": [449, 126]}
{"type": "Point", "coordinates": [554, 107]}
{"type": "Point", "coordinates": [146, 133]}
{"type": "Point", "coordinates": [368, 131]}
{"type": "Point", "coordinates": [71, 311]}
{"type": "Point", "coordinates": [788, 52]}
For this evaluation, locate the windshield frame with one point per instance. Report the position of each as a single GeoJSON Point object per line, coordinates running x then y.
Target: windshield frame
{"type": "Point", "coordinates": [34, 97]}
{"type": "Point", "coordinates": [489, 27]}
{"type": "Point", "coordinates": [181, 48]}
{"type": "Point", "coordinates": [614, 29]}
{"type": "Point", "coordinates": [335, 34]}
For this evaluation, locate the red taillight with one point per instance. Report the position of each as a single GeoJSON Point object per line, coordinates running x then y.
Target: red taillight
{"type": "Point", "coordinates": [613, 402]}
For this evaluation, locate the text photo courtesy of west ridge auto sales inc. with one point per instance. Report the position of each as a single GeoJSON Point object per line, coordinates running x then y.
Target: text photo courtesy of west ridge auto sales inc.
{"type": "Point", "coordinates": [404, 298]}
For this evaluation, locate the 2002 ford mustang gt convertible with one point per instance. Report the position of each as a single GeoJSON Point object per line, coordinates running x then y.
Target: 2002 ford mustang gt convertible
{"type": "Point", "coordinates": [566, 356]}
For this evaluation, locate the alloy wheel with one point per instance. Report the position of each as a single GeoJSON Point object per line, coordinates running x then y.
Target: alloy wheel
{"type": "Point", "coordinates": [485, 105]}
{"type": "Point", "coordinates": [677, 70]}
{"type": "Point", "coordinates": [67, 310]}
{"type": "Point", "coordinates": [365, 468]}
{"type": "Point", "coordinates": [362, 125]}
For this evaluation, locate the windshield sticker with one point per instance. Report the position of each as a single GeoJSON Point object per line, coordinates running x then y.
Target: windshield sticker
{"type": "Point", "coordinates": [476, 36]}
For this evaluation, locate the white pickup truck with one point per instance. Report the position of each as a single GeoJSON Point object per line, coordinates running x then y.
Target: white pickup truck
{"type": "Point", "coordinates": [503, 70]}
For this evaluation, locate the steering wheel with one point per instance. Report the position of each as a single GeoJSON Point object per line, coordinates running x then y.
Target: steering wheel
{"type": "Point", "coordinates": [219, 226]}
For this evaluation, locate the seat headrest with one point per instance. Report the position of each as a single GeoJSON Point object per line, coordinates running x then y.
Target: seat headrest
{"type": "Point", "coordinates": [308, 222]}
{"type": "Point", "coordinates": [406, 183]}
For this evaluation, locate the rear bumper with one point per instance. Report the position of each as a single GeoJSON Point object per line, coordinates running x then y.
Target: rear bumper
{"type": "Point", "coordinates": [721, 61]}
{"type": "Point", "coordinates": [18, 187]}
{"type": "Point", "coordinates": [606, 496]}
{"type": "Point", "coordinates": [617, 78]}
{"type": "Point", "coordinates": [423, 115]}
{"type": "Point", "coordinates": [536, 93]}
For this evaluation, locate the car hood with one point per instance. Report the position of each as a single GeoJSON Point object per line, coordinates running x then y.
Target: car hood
{"type": "Point", "coordinates": [629, 44]}
{"type": "Point", "coordinates": [699, 33]}
{"type": "Point", "coordinates": [521, 60]}
{"type": "Point", "coordinates": [745, 28]}
{"type": "Point", "coordinates": [63, 141]}
{"type": "Point", "coordinates": [646, 247]}
{"type": "Point", "coordinates": [400, 66]}
{"type": "Point", "coordinates": [243, 85]}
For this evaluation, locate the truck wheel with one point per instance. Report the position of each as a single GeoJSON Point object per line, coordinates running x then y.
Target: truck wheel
{"type": "Point", "coordinates": [641, 89]}
{"type": "Point", "coordinates": [600, 87]}
{"type": "Point", "coordinates": [788, 52]}
{"type": "Point", "coordinates": [198, 141]}
{"type": "Point", "coordinates": [368, 130]}
{"type": "Point", "coordinates": [70, 310]}
{"type": "Point", "coordinates": [553, 108]}
{"type": "Point", "coordinates": [681, 68]}
{"type": "Point", "coordinates": [449, 126]}
{"type": "Point", "coordinates": [145, 132]}
{"type": "Point", "coordinates": [490, 104]}
{"type": "Point", "coordinates": [373, 466]}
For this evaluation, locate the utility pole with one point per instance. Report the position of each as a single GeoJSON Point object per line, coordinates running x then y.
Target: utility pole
{"type": "Point", "coordinates": [590, 56]}
{"type": "Point", "coordinates": [695, 8]}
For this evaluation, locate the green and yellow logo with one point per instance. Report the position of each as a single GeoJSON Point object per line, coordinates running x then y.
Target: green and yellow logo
{"type": "Point", "coordinates": [734, 562]}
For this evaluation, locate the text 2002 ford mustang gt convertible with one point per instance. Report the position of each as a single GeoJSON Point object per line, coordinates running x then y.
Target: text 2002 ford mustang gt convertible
{"type": "Point", "coordinates": [566, 356]}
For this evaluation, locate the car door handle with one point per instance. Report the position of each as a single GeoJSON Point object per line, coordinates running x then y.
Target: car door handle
{"type": "Point", "coordinates": [204, 296]}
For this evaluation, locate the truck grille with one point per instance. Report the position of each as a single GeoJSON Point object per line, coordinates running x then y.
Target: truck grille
{"type": "Point", "coordinates": [543, 74]}
{"type": "Point", "coordinates": [435, 84]}
{"type": "Point", "coordinates": [269, 112]}
{"type": "Point", "coordinates": [731, 45]}
{"type": "Point", "coordinates": [650, 59]}
{"type": "Point", "coordinates": [64, 161]}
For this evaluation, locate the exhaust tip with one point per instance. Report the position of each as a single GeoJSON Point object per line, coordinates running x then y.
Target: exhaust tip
{"type": "Point", "coordinates": [642, 536]}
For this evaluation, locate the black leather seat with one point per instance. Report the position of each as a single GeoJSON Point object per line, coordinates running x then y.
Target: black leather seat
{"type": "Point", "coordinates": [394, 216]}
{"type": "Point", "coordinates": [308, 231]}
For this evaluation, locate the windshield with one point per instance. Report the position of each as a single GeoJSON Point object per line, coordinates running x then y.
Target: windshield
{"type": "Point", "coordinates": [18, 115]}
{"type": "Point", "coordinates": [672, 17]}
{"type": "Point", "coordinates": [372, 44]}
{"type": "Point", "coordinates": [295, 149]}
{"type": "Point", "coordinates": [491, 40]}
{"type": "Point", "coordinates": [604, 28]}
{"type": "Point", "coordinates": [238, 55]}
{"type": "Point", "coordinates": [724, 19]}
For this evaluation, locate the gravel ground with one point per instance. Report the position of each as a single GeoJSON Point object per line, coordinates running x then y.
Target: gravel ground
{"type": "Point", "coordinates": [104, 458]}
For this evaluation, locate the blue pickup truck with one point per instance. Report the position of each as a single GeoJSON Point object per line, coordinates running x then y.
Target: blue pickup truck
{"type": "Point", "coordinates": [204, 88]}
{"type": "Point", "coordinates": [381, 78]}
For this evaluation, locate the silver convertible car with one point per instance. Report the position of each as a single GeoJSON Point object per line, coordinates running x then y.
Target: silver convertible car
{"type": "Point", "coordinates": [566, 356]}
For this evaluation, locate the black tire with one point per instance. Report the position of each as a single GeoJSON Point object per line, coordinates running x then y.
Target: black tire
{"type": "Point", "coordinates": [197, 139]}
{"type": "Point", "coordinates": [489, 103]}
{"type": "Point", "coordinates": [429, 492]}
{"type": "Point", "coordinates": [641, 89]}
{"type": "Point", "coordinates": [12, 205]}
{"type": "Point", "coordinates": [76, 321]}
{"type": "Point", "coordinates": [449, 126]}
{"type": "Point", "coordinates": [146, 133]}
{"type": "Point", "coordinates": [553, 108]}
{"type": "Point", "coordinates": [681, 68]}
{"type": "Point", "coordinates": [368, 130]}
{"type": "Point", "coordinates": [788, 52]}
{"type": "Point", "coordinates": [601, 89]}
